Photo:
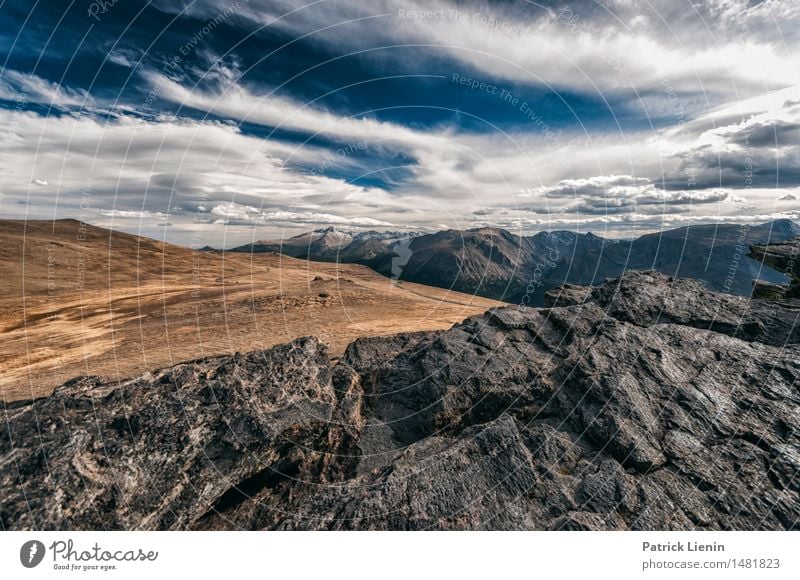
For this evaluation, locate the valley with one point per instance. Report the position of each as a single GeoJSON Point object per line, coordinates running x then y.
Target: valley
{"type": "Point", "coordinates": [80, 300]}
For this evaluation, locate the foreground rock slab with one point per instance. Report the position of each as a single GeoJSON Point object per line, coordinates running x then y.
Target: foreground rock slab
{"type": "Point", "coordinates": [646, 403]}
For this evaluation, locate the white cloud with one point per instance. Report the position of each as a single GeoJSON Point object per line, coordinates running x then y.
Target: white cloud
{"type": "Point", "coordinates": [704, 47]}
{"type": "Point", "coordinates": [164, 164]}
{"type": "Point", "coordinates": [244, 214]}
{"type": "Point", "coordinates": [625, 225]}
{"type": "Point", "coordinates": [131, 214]}
{"type": "Point", "coordinates": [234, 101]}
{"type": "Point", "coordinates": [195, 173]}
{"type": "Point", "coordinates": [28, 88]}
{"type": "Point", "coordinates": [597, 186]}
{"type": "Point", "coordinates": [621, 194]}
{"type": "Point", "coordinates": [148, 170]}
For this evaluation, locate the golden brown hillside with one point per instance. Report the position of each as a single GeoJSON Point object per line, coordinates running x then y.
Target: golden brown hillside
{"type": "Point", "coordinates": [81, 300]}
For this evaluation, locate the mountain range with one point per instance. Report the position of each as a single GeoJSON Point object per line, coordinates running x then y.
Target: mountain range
{"type": "Point", "coordinates": [332, 244]}
{"type": "Point", "coordinates": [498, 264]}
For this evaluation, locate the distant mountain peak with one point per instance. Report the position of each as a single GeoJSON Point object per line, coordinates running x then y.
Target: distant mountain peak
{"type": "Point", "coordinates": [783, 225]}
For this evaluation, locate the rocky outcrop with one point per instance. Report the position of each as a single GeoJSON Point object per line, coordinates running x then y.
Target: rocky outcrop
{"type": "Point", "coordinates": [168, 449]}
{"type": "Point", "coordinates": [645, 299]}
{"type": "Point", "coordinates": [645, 403]}
{"type": "Point", "coordinates": [784, 257]}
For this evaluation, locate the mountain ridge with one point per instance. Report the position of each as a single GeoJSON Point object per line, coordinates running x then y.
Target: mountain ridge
{"type": "Point", "coordinates": [498, 264]}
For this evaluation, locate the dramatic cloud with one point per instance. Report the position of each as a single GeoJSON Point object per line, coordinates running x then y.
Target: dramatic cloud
{"type": "Point", "coordinates": [233, 101]}
{"type": "Point", "coordinates": [129, 169]}
{"type": "Point", "coordinates": [249, 215]}
{"type": "Point", "coordinates": [621, 194]}
{"type": "Point", "coordinates": [759, 149]}
{"type": "Point", "coordinates": [711, 46]}
{"type": "Point", "coordinates": [27, 88]}
{"type": "Point", "coordinates": [599, 186]}
{"type": "Point", "coordinates": [281, 115]}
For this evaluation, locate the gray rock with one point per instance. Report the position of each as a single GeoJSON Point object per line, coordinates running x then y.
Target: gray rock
{"type": "Point", "coordinates": [647, 298]}
{"type": "Point", "coordinates": [646, 403]}
{"type": "Point", "coordinates": [165, 450]}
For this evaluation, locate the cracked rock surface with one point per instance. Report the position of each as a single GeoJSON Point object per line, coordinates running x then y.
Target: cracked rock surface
{"type": "Point", "coordinates": [645, 403]}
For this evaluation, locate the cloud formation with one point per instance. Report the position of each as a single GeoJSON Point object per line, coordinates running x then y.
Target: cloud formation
{"type": "Point", "coordinates": [239, 214]}
{"type": "Point", "coordinates": [616, 116]}
{"type": "Point", "coordinates": [712, 45]}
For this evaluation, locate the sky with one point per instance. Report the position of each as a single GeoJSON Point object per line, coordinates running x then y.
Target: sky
{"type": "Point", "coordinates": [224, 121]}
